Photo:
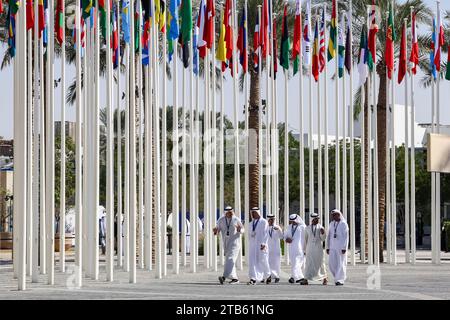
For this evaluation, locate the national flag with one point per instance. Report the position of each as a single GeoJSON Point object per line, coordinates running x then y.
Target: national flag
{"type": "Point", "coordinates": [102, 13]}
{"type": "Point", "coordinates": [137, 26]}
{"type": "Point", "coordinates": [221, 52]}
{"type": "Point", "coordinates": [362, 57]}
{"type": "Point", "coordinates": [82, 36]}
{"type": "Point", "coordinates": [432, 51]}
{"type": "Point", "coordinates": [306, 38]}
{"type": "Point", "coordinates": [348, 43]}
{"type": "Point", "coordinates": [263, 35]}
{"type": "Point", "coordinates": [341, 47]}
{"type": "Point", "coordinates": [126, 20]}
{"type": "Point", "coordinates": [208, 34]}
{"type": "Point", "coordinates": [41, 16]}
{"type": "Point", "coordinates": [315, 53]}
{"type": "Point", "coordinates": [1, 6]}
{"type": "Point", "coordinates": [160, 14]}
{"type": "Point", "coordinates": [373, 33]}
{"type": "Point", "coordinates": [402, 59]}
{"type": "Point", "coordinates": [296, 45]}
{"type": "Point", "coordinates": [390, 38]}
{"type": "Point", "coordinates": [46, 19]}
{"type": "Point", "coordinates": [256, 46]}
{"type": "Point", "coordinates": [275, 49]}
{"type": "Point", "coordinates": [322, 60]}
{"type": "Point", "coordinates": [186, 20]}
{"type": "Point", "coordinates": [447, 72]}
{"type": "Point", "coordinates": [59, 21]}
{"type": "Point", "coordinates": [333, 33]}
{"type": "Point", "coordinates": [115, 36]}
{"type": "Point", "coordinates": [440, 40]}
{"type": "Point", "coordinates": [86, 6]}
{"type": "Point", "coordinates": [145, 57]}
{"type": "Point", "coordinates": [414, 56]}
{"type": "Point", "coordinates": [201, 43]}
{"type": "Point", "coordinates": [242, 42]}
{"type": "Point", "coordinates": [285, 45]}
{"type": "Point", "coordinates": [30, 14]}
{"type": "Point", "coordinates": [11, 30]}
{"type": "Point", "coordinates": [194, 49]}
{"type": "Point", "coordinates": [173, 19]}
{"type": "Point", "coordinates": [229, 43]}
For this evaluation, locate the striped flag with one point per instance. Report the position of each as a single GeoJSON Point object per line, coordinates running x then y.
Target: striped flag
{"type": "Point", "coordinates": [30, 14]}
{"type": "Point", "coordinates": [315, 55]}
{"type": "Point", "coordinates": [348, 43]}
{"type": "Point", "coordinates": [402, 59]}
{"type": "Point", "coordinates": [194, 48]}
{"type": "Point", "coordinates": [333, 33]}
{"type": "Point", "coordinates": [414, 57]}
{"type": "Point", "coordinates": [115, 37]}
{"type": "Point", "coordinates": [362, 57]}
{"type": "Point", "coordinates": [285, 45]}
{"type": "Point", "coordinates": [126, 20]}
{"type": "Point", "coordinates": [256, 45]}
{"type": "Point", "coordinates": [11, 31]}
{"type": "Point", "coordinates": [341, 47]}
{"type": "Point", "coordinates": [201, 44]}
{"type": "Point", "coordinates": [59, 21]}
{"type": "Point", "coordinates": [296, 45]}
{"type": "Point", "coordinates": [322, 60]}
{"type": "Point", "coordinates": [439, 41]}
{"type": "Point", "coordinates": [373, 33]}
{"type": "Point", "coordinates": [432, 51]}
{"type": "Point", "coordinates": [242, 42]}
{"type": "Point", "coordinates": [306, 38]}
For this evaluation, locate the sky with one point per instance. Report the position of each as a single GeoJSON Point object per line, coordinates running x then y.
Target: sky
{"type": "Point", "coordinates": [422, 96]}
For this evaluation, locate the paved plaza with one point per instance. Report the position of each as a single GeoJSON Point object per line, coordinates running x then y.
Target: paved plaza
{"type": "Point", "coordinates": [420, 281]}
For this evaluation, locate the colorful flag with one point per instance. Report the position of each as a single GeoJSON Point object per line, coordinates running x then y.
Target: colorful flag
{"type": "Point", "coordinates": [194, 48]}
{"type": "Point", "coordinates": [402, 59]}
{"type": "Point", "coordinates": [242, 42]}
{"type": "Point", "coordinates": [115, 36]}
{"type": "Point", "coordinates": [373, 33]}
{"type": "Point", "coordinates": [228, 30]}
{"type": "Point", "coordinates": [341, 47]}
{"type": "Point", "coordinates": [263, 35]}
{"type": "Point", "coordinates": [348, 43]}
{"type": "Point", "coordinates": [363, 55]}
{"type": "Point", "coordinates": [315, 53]}
{"type": "Point", "coordinates": [186, 20]}
{"type": "Point", "coordinates": [87, 5]}
{"type": "Point", "coordinates": [11, 31]}
{"type": "Point", "coordinates": [221, 53]}
{"type": "Point", "coordinates": [160, 14]}
{"type": "Point", "coordinates": [322, 60]}
{"type": "Point", "coordinates": [201, 43]}
{"type": "Point", "coordinates": [447, 72]}
{"type": "Point", "coordinates": [30, 14]}
{"type": "Point", "coordinates": [307, 35]}
{"type": "Point", "coordinates": [137, 26]}
{"type": "Point", "coordinates": [285, 45]}
{"type": "Point", "coordinates": [126, 20]}
{"type": "Point", "coordinates": [296, 45]}
{"type": "Point", "coordinates": [390, 38]}
{"type": "Point", "coordinates": [432, 50]}
{"type": "Point", "coordinates": [1, 6]}
{"type": "Point", "coordinates": [275, 49]}
{"type": "Point", "coordinates": [208, 34]}
{"type": "Point", "coordinates": [102, 13]}
{"type": "Point", "coordinates": [440, 40]}
{"type": "Point", "coordinates": [333, 33]}
{"type": "Point", "coordinates": [59, 21]}
{"type": "Point", "coordinates": [173, 18]}
{"type": "Point", "coordinates": [414, 57]}
{"type": "Point", "coordinates": [256, 46]}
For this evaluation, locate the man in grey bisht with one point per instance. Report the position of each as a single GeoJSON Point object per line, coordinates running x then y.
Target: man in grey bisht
{"type": "Point", "coordinates": [315, 236]}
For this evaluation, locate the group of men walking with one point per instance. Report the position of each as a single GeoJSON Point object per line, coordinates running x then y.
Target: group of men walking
{"type": "Point", "coordinates": [304, 244]}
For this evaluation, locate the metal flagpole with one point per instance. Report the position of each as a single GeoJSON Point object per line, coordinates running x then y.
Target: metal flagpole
{"type": "Point", "coordinates": [337, 161]}
{"type": "Point", "coordinates": [42, 151]}
{"type": "Point", "coordinates": [29, 185]}
{"type": "Point", "coordinates": [352, 147]}
{"type": "Point", "coordinates": [119, 154]}
{"type": "Point", "coordinates": [319, 145]}
{"type": "Point", "coordinates": [286, 152]}
{"type": "Point", "coordinates": [260, 164]}
{"type": "Point", "coordinates": [183, 172]}
{"type": "Point", "coordinates": [78, 150]}
{"type": "Point", "coordinates": [388, 168]}
{"type": "Point", "coordinates": [407, 230]}
{"type": "Point", "coordinates": [247, 146]}
{"type": "Point", "coordinates": [206, 159]}
{"type": "Point", "coordinates": [20, 149]}
{"type": "Point", "coordinates": [370, 162]}
{"type": "Point", "coordinates": [126, 245]}
{"type": "Point", "coordinates": [433, 178]}
{"type": "Point", "coordinates": [132, 160]}
{"type": "Point", "coordinates": [213, 177]}
{"type": "Point", "coordinates": [413, 163]}
{"type": "Point", "coordinates": [62, 211]}
{"type": "Point", "coordinates": [363, 180]}
{"type": "Point", "coordinates": [36, 120]}
{"type": "Point", "coordinates": [344, 130]}
{"type": "Point", "coordinates": [437, 220]}
{"type": "Point", "coordinates": [109, 154]}
{"type": "Point", "coordinates": [197, 158]}
{"type": "Point", "coordinates": [175, 167]}
{"type": "Point", "coordinates": [86, 105]}
{"type": "Point", "coordinates": [301, 129]}
{"type": "Point", "coordinates": [393, 188]}
{"type": "Point", "coordinates": [375, 212]}
{"type": "Point", "coordinates": [222, 164]}
{"type": "Point", "coordinates": [193, 179]}
{"type": "Point", "coordinates": [311, 149]}
{"type": "Point", "coordinates": [268, 108]}
{"type": "Point", "coordinates": [326, 208]}
{"type": "Point", "coordinates": [50, 155]}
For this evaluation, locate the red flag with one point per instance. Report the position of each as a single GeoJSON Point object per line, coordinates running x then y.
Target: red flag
{"type": "Point", "coordinates": [296, 45]}
{"type": "Point", "coordinates": [59, 21]}
{"type": "Point", "coordinates": [414, 57]}
{"type": "Point", "coordinates": [439, 42]}
{"type": "Point", "coordinates": [373, 33]}
{"type": "Point", "coordinates": [1, 6]}
{"type": "Point", "coordinates": [242, 43]}
{"type": "Point", "coordinates": [264, 29]}
{"type": "Point", "coordinates": [210, 12]}
{"type": "Point", "coordinates": [256, 45]}
{"type": "Point", "coordinates": [389, 50]}
{"type": "Point", "coordinates": [41, 16]}
{"type": "Point", "coordinates": [228, 29]}
{"type": "Point", "coordinates": [402, 59]}
{"type": "Point", "coordinates": [315, 57]}
{"type": "Point", "coordinates": [30, 14]}
{"type": "Point", "coordinates": [275, 50]}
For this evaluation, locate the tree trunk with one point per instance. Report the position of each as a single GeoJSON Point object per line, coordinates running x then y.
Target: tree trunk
{"type": "Point", "coordinates": [253, 123]}
{"type": "Point", "coordinates": [381, 130]}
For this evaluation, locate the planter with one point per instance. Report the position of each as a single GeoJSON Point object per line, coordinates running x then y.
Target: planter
{"type": "Point", "coordinates": [6, 240]}
{"type": "Point", "coordinates": [68, 242]}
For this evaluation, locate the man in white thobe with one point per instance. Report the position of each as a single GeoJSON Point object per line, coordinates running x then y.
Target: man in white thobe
{"type": "Point", "coordinates": [273, 243]}
{"type": "Point", "coordinates": [313, 247]}
{"type": "Point", "coordinates": [294, 236]}
{"type": "Point", "coordinates": [231, 229]}
{"type": "Point", "coordinates": [337, 243]}
{"type": "Point", "coordinates": [258, 253]}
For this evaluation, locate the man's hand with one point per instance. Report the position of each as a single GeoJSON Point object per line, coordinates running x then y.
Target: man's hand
{"type": "Point", "coordinates": [276, 228]}
{"type": "Point", "coordinates": [263, 246]}
{"type": "Point", "coordinates": [215, 230]}
{"type": "Point", "coordinates": [344, 251]}
{"type": "Point", "coordinates": [238, 228]}
{"type": "Point", "coordinates": [288, 240]}
{"type": "Point", "coordinates": [322, 231]}
{"type": "Point", "coordinates": [328, 251]}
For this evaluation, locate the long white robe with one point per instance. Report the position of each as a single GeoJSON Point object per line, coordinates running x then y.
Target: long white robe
{"type": "Point", "coordinates": [258, 260]}
{"type": "Point", "coordinates": [296, 233]}
{"type": "Point", "coordinates": [313, 247]}
{"type": "Point", "coordinates": [231, 243]}
{"type": "Point", "coordinates": [274, 250]}
{"type": "Point", "coordinates": [337, 260]}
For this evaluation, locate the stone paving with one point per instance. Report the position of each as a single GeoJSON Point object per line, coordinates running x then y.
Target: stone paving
{"type": "Point", "coordinates": [420, 281]}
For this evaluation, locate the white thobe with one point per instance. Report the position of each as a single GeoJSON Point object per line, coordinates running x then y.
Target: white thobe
{"type": "Point", "coordinates": [258, 260]}
{"type": "Point", "coordinates": [313, 247]}
{"type": "Point", "coordinates": [296, 233]}
{"type": "Point", "coordinates": [231, 243]}
{"type": "Point", "coordinates": [274, 250]}
{"type": "Point", "coordinates": [337, 241]}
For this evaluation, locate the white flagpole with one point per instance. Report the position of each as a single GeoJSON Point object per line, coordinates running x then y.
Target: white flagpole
{"type": "Point", "coordinates": [344, 129]}
{"type": "Point", "coordinates": [319, 143]}
{"type": "Point", "coordinates": [326, 211]}
{"type": "Point", "coordinates": [78, 159]}
{"type": "Point", "coordinates": [337, 161]}
{"type": "Point", "coordinates": [148, 188]}
{"type": "Point", "coordinates": [375, 213]}
{"type": "Point", "coordinates": [42, 151]}
{"type": "Point", "coordinates": [183, 172]}
{"type": "Point", "coordinates": [352, 148]}
{"type": "Point", "coordinates": [175, 168]}
{"type": "Point", "coordinates": [268, 108]}
{"type": "Point", "coordinates": [36, 120]}
{"type": "Point", "coordinates": [109, 155]}
{"type": "Point", "coordinates": [247, 168]}
{"type": "Point", "coordinates": [193, 179]}
{"type": "Point", "coordinates": [363, 179]}
{"type": "Point", "coordinates": [206, 159]}
{"type": "Point", "coordinates": [140, 119]}
{"type": "Point", "coordinates": [20, 147]}
{"type": "Point", "coordinates": [126, 223]}
{"type": "Point", "coordinates": [311, 149]}
{"type": "Point", "coordinates": [369, 161]}
{"type": "Point", "coordinates": [50, 155]}
{"type": "Point", "coordinates": [286, 153]}
{"type": "Point", "coordinates": [197, 159]}
{"type": "Point", "coordinates": [301, 129]}
{"type": "Point", "coordinates": [413, 166]}
{"type": "Point", "coordinates": [407, 230]}
{"type": "Point", "coordinates": [393, 183]}
{"type": "Point", "coordinates": [119, 155]}
{"type": "Point", "coordinates": [213, 177]}
{"type": "Point", "coordinates": [86, 104]}
{"type": "Point", "coordinates": [62, 211]}
{"type": "Point", "coordinates": [222, 164]}
{"type": "Point", "coordinates": [157, 161]}
{"type": "Point", "coordinates": [437, 236]}
{"type": "Point", "coordinates": [132, 160]}
{"type": "Point", "coordinates": [29, 185]}
{"type": "Point", "coordinates": [388, 169]}
{"type": "Point", "coordinates": [260, 163]}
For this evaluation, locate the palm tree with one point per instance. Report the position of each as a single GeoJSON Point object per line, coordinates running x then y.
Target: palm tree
{"type": "Point", "coordinates": [402, 10]}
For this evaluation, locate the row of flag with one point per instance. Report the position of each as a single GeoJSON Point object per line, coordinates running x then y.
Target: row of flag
{"type": "Point", "coordinates": [180, 27]}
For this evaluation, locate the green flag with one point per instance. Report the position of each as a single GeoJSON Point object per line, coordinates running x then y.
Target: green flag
{"type": "Point", "coordinates": [186, 20]}
{"type": "Point", "coordinates": [285, 45]}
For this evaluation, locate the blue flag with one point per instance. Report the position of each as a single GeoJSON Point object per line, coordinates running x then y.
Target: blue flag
{"type": "Point", "coordinates": [433, 44]}
{"type": "Point", "coordinates": [126, 20]}
{"type": "Point", "coordinates": [173, 18]}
